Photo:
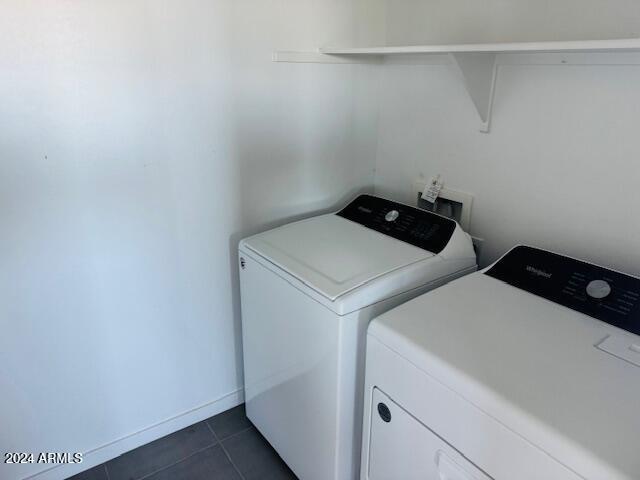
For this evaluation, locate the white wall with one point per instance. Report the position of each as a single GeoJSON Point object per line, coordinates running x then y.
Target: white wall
{"type": "Point", "coordinates": [139, 141]}
{"type": "Point", "coordinates": [461, 21]}
{"type": "Point", "coordinates": [560, 167]}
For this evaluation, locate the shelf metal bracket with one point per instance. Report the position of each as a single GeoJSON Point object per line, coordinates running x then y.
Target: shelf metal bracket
{"type": "Point", "coordinates": [478, 72]}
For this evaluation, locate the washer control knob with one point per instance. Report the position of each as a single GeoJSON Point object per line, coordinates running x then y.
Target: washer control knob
{"type": "Point", "coordinates": [598, 289]}
{"type": "Point", "coordinates": [392, 216]}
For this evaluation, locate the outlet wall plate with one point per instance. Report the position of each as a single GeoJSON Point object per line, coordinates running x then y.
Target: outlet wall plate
{"type": "Point", "coordinates": [466, 199]}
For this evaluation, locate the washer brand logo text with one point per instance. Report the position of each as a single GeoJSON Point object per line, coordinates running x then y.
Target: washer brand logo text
{"type": "Point", "coordinates": [538, 273]}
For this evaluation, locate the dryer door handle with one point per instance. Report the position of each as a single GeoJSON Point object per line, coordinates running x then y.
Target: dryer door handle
{"type": "Point", "coordinates": [449, 469]}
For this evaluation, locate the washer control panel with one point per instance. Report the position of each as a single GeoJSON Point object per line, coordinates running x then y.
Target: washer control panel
{"type": "Point", "coordinates": [601, 293]}
{"type": "Point", "coordinates": [420, 228]}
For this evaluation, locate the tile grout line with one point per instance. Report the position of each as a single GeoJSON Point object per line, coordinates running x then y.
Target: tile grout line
{"type": "Point", "coordinates": [236, 434]}
{"type": "Point", "coordinates": [147, 475]}
{"type": "Point", "coordinates": [176, 463]}
{"type": "Point", "coordinates": [217, 441]}
{"type": "Point", "coordinates": [224, 450]}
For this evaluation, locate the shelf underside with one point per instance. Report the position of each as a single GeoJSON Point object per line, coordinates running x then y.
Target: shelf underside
{"type": "Point", "coordinates": [620, 45]}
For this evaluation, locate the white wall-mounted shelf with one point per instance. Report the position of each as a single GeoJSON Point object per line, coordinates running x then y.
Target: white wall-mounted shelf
{"type": "Point", "coordinates": [477, 64]}
{"type": "Point", "coordinates": [521, 47]}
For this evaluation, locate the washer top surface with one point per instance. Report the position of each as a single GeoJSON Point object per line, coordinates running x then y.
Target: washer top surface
{"type": "Point", "coordinates": [334, 255]}
{"type": "Point", "coordinates": [535, 365]}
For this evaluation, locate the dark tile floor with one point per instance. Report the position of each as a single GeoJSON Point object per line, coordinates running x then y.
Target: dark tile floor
{"type": "Point", "coordinates": [224, 447]}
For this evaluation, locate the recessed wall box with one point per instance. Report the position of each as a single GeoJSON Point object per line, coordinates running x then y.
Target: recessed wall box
{"type": "Point", "coordinates": [450, 203]}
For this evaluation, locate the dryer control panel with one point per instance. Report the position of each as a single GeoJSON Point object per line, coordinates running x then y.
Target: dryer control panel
{"type": "Point", "coordinates": [601, 293]}
{"type": "Point", "coordinates": [417, 227]}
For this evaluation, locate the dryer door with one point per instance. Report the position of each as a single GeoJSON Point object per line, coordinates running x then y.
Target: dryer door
{"type": "Point", "coordinates": [403, 448]}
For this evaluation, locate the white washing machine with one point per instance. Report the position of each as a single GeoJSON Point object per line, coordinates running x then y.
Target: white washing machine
{"type": "Point", "coordinates": [529, 370]}
{"type": "Point", "coordinates": [309, 290]}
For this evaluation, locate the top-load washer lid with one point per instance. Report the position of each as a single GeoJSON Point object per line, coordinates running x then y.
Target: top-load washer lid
{"type": "Point", "coordinates": [531, 343]}
{"type": "Point", "coordinates": [371, 238]}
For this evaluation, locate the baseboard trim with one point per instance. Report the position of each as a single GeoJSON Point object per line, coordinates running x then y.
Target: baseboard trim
{"type": "Point", "coordinates": [125, 444]}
